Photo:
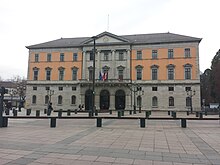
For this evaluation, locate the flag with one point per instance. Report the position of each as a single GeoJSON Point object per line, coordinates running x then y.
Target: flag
{"type": "Point", "coordinates": [105, 76]}
{"type": "Point", "coordinates": [100, 75]}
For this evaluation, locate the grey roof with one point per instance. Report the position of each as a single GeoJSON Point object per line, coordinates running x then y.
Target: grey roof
{"type": "Point", "coordinates": [156, 38]}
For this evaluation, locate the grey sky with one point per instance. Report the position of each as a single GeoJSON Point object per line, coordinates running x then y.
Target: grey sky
{"type": "Point", "coordinates": [27, 22]}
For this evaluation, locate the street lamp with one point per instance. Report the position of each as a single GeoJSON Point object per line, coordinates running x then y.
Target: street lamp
{"type": "Point", "coordinates": [21, 87]}
{"type": "Point", "coordinates": [93, 77]}
{"type": "Point", "coordinates": [136, 88]}
{"type": "Point", "coordinates": [190, 94]}
{"type": "Point", "coordinates": [12, 93]}
{"type": "Point", "coordinates": [140, 93]}
{"type": "Point", "coordinates": [49, 94]}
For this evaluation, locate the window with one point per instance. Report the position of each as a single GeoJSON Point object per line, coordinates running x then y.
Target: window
{"type": "Point", "coordinates": [187, 53]}
{"type": "Point", "coordinates": [120, 74]}
{"type": "Point", "coordinates": [170, 72]}
{"type": "Point", "coordinates": [61, 74]}
{"type": "Point", "coordinates": [90, 74]}
{"type": "Point", "coordinates": [75, 56]}
{"type": "Point", "coordinates": [154, 73]}
{"type": "Point", "coordinates": [47, 88]}
{"type": "Point", "coordinates": [74, 73]}
{"type": "Point", "coordinates": [34, 88]}
{"type": "Point", "coordinates": [91, 56]}
{"type": "Point", "coordinates": [154, 54]}
{"type": "Point", "coordinates": [188, 101]}
{"type": "Point", "coordinates": [106, 56]}
{"type": "Point", "coordinates": [73, 99]}
{"type": "Point", "coordinates": [139, 55]}
{"type": "Point", "coordinates": [60, 99]}
{"type": "Point", "coordinates": [34, 99]}
{"type": "Point", "coordinates": [48, 73]}
{"type": "Point", "coordinates": [170, 53]}
{"type": "Point", "coordinates": [46, 100]}
{"type": "Point", "coordinates": [62, 57]}
{"type": "Point", "coordinates": [154, 88]}
{"type": "Point", "coordinates": [121, 56]}
{"type": "Point", "coordinates": [35, 74]}
{"type": "Point", "coordinates": [188, 71]}
{"type": "Point", "coordinates": [48, 57]}
{"type": "Point", "coordinates": [60, 88]}
{"type": "Point", "coordinates": [139, 73]}
{"type": "Point", "coordinates": [170, 88]}
{"type": "Point", "coordinates": [36, 58]}
{"type": "Point", "coordinates": [73, 88]}
{"type": "Point", "coordinates": [154, 101]}
{"type": "Point", "coordinates": [171, 101]}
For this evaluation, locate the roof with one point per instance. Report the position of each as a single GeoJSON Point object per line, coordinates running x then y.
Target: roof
{"type": "Point", "coordinates": [155, 38]}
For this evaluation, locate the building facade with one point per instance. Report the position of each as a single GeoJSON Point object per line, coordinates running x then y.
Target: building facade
{"type": "Point", "coordinates": [151, 71]}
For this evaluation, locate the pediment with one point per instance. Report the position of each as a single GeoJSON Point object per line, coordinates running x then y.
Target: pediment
{"type": "Point", "coordinates": [105, 38]}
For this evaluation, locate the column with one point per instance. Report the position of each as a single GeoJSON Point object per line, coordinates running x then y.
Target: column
{"type": "Point", "coordinates": [84, 67]}
{"type": "Point", "coordinates": [113, 63]}
{"type": "Point", "coordinates": [128, 64]}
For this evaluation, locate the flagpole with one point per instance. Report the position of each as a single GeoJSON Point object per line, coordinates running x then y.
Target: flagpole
{"type": "Point", "coordinates": [93, 78]}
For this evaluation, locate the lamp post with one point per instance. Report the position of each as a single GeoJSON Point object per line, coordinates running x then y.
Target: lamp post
{"type": "Point", "coordinates": [190, 94]}
{"type": "Point", "coordinates": [136, 88]}
{"type": "Point", "coordinates": [93, 77]}
{"type": "Point", "coordinates": [12, 93]}
{"type": "Point", "coordinates": [49, 94]}
{"type": "Point", "coordinates": [140, 93]}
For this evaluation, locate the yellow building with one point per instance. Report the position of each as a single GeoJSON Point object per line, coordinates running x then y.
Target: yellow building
{"type": "Point", "coordinates": [151, 71]}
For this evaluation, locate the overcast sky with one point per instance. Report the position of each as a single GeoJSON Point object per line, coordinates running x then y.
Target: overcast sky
{"type": "Point", "coordinates": [28, 22]}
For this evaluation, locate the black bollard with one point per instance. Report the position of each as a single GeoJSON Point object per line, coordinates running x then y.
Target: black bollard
{"type": "Point", "coordinates": [45, 111]}
{"type": "Point", "coordinates": [99, 122]}
{"type": "Point", "coordinates": [169, 113]}
{"type": "Point", "coordinates": [142, 122]}
{"type": "Point", "coordinates": [206, 113]}
{"type": "Point", "coordinates": [139, 109]}
{"type": "Point", "coordinates": [37, 113]}
{"type": "Point", "coordinates": [122, 113]}
{"type": "Point", "coordinates": [183, 123]}
{"type": "Point", "coordinates": [197, 114]}
{"type": "Point", "coordinates": [174, 115]}
{"type": "Point", "coordinates": [53, 122]}
{"type": "Point", "coordinates": [15, 113]}
{"type": "Point", "coordinates": [96, 113]}
{"type": "Point", "coordinates": [75, 111]}
{"type": "Point", "coordinates": [130, 112]}
{"type": "Point", "coordinates": [187, 113]}
{"type": "Point", "coordinates": [110, 112]}
{"type": "Point", "coordinates": [68, 112]}
{"type": "Point", "coordinates": [60, 113]}
{"type": "Point", "coordinates": [28, 112]}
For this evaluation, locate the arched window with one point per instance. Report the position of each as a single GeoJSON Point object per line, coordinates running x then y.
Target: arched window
{"type": "Point", "coordinates": [60, 99]}
{"type": "Point", "coordinates": [171, 101]}
{"type": "Point", "coordinates": [154, 101]}
{"type": "Point", "coordinates": [46, 99]}
{"type": "Point", "coordinates": [34, 99]}
{"type": "Point", "coordinates": [73, 99]}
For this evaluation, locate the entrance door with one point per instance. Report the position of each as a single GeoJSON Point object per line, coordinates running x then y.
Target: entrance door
{"type": "Point", "coordinates": [119, 99]}
{"type": "Point", "coordinates": [104, 100]}
{"type": "Point", "coordinates": [88, 100]}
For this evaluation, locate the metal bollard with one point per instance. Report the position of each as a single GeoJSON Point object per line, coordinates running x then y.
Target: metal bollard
{"type": "Point", "coordinates": [139, 109]}
{"type": "Point", "coordinates": [60, 113]}
{"type": "Point", "coordinates": [75, 111]}
{"type": "Point", "coordinates": [187, 113]}
{"type": "Point", "coordinates": [169, 113]}
{"type": "Point", "coordinates": [130, 112]}
{"type": "Point", "coordinates": [206, 113]}
{"type": "Point", "coordinates": [45, 111]}
{"type": "Point", "coordinates": [90, 113]}
{"type": "Point", "coordinates": [68, 112]}
{"type": "Point", "coordinates": [53, 122]}
{"type": "Point", "coordinates": [99, 122]}
{"type": "Point", "coordinates": [122, 113]}
{"type": "Point", "coordinates": [142, 122]}
{"type": "Point", "coordinates": [37, 113]}
{"type": "Point", "coordinates": [96, 113]}
{"type": "Point", "coordinates": [110, 112]}
{"type": "Point", "coordinates": [197, 114]}
{"type": "Point", "coordinates": [183, 123]}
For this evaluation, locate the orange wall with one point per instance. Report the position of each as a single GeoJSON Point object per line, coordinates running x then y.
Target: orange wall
{"type": "Point", "coordinates": [55, 64]}
{"type": "Point", "coordinates": [162, 61]}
